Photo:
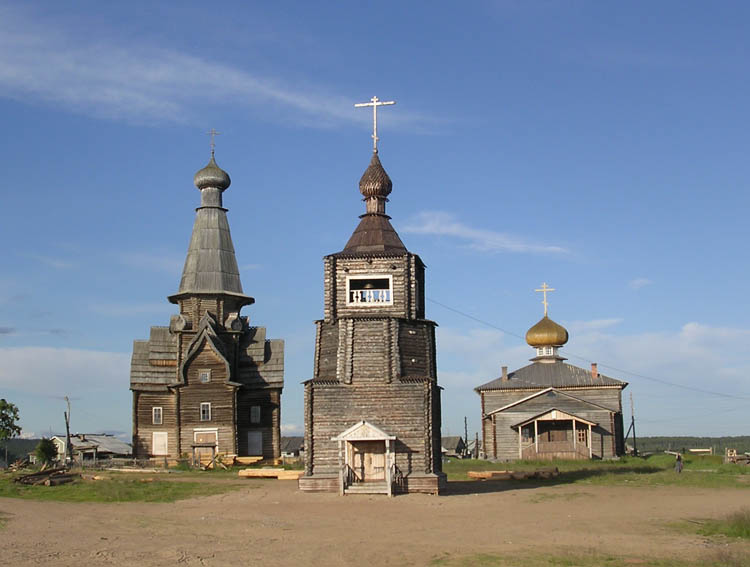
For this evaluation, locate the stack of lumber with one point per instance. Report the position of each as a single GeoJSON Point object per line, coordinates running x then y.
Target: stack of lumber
{"type": "Point", "coordinates": [514, 475]}
{"type": "Point", "coordinates": [280, 474]}
{"type": "Point", "coordinates": [51, 477]}
{"type": "Point", "coordinates": [19, 465]}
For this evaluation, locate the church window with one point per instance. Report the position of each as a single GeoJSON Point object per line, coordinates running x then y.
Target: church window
{"type": "Point", "coordinates": [255, 414]}
{"type": "Point", "coordinates": [204, 376]}
{"type": "Point", "coordinates": [156, 418]}
{"type": "Point", "coordinates": [369, 290]}
{"type": "Point", "coordinates": [206, 411]}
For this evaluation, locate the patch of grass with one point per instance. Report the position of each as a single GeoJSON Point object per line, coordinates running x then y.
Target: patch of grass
{"type": "Point", "coordinates": [720, 559]}
{"type": "Point", "coordinates": [3, 520]}
{"type": "Point", "coordinates": [736, 524]}
{"type": "Point", "coordinates": [114, 490]}
{"type": "Point", "coordinates": [655, 470]}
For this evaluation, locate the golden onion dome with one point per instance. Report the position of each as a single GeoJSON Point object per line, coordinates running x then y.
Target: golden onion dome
{"type": "Point", "coordinates": [546, 333]}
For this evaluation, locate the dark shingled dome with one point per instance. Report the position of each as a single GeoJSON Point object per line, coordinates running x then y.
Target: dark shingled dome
{"type": "Point", "coordinates": [375, 181]}
{"type": "Point", "coordinates": [212, 176]}
{"type": "Point", "coordinates": [546, 333]}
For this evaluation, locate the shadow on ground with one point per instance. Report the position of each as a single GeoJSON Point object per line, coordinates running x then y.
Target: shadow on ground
{"type": "Point", "coordinates": [463, 487]}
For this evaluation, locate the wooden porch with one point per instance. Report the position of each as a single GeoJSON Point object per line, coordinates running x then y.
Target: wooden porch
{"type": "Point", "coordinates": [555, 434]}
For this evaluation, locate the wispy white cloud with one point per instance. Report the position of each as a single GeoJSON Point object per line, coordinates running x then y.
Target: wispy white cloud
{"type": "Point", "coordinates": [62, 371]}
{"type": "Point", "coordinates": [53, 262]}
{"type": "Point", "coordinates": [445, 224]}
{"type": "Point", "coordinates": [291, 429]}
{"type": "Point", "coordinates": [168, 263]}
{"type": "Point", "coordinates": [576, 327]}
{"type": "Point", "coordinates": [113, 309]}
{"type": "Point", "coordinates": [694, 356]}
{"type": "Point", "coordinates": [639, 283]}
{"type": "Point", "coordinates": [99, 77]}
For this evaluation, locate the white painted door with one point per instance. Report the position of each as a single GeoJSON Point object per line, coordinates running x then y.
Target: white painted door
{"type": "Point", "coordinates": [255, 443]}
{"type": "Point", "coordinates": [159, 443]}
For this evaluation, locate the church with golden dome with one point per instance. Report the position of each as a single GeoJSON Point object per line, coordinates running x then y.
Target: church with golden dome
{"type": "Point", "coordinates": [550, 409]}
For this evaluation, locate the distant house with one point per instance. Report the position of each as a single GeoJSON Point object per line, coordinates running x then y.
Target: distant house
{"type": "Point", "coordinates": [453, 447]}
{"type": "Point", "coordinates": [292, 447]}
{"type": "Point", "coordinates": [92, 447]}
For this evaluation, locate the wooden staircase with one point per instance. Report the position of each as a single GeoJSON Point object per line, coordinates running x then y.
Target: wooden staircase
{"type": "Point", "coordinates": [367, 488]}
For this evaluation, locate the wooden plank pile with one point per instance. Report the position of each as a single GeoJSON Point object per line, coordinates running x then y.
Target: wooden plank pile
{"type": "Point", "coordinates": [50, 477]}
{"type": "Point", "coordinates": [514, 475]}
{"type": "Point", "coordinates": [280, 474]}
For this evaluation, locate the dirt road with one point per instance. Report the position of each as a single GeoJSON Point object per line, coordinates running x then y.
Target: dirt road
{"type": "Point", "coordinates": [271, 523]}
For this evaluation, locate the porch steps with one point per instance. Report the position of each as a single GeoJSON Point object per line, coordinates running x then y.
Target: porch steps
{"type": "Point", "coordinates": [368, 488]}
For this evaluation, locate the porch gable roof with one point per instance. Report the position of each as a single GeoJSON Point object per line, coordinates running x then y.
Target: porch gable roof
{"type": "Point", "coordinates": [364, 431]}
{"type": "Point", "coordinates": [554, 414]}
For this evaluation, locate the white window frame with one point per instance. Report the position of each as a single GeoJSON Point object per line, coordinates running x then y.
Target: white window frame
{"type": "Point", "coordinates": [208, 406]}
{"type": "Point", "coordinates": [154, 413]}
{"type": "Point", "coordinates": [255, 415]}
{"type": "Point", "coordinates": [204, 376]}
{"type": "Point", "coordinates": [349, 279]}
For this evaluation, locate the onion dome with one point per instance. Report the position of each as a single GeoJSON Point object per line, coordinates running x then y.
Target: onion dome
{"type": "Point", "coordinates": [212, 176]}
{"type": "Point", "coordinates": [546, 333]}
{"type": "Point", "coordinates": [375, 181]}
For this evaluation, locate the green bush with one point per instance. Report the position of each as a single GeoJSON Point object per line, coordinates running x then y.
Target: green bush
{"type": "Point", "coordinates": [46, 451]}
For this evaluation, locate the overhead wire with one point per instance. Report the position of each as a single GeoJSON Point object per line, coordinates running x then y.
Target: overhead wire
{"type": "Point", "coordinates": [586, 359]}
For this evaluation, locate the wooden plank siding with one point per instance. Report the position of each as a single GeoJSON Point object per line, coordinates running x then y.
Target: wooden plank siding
{"type": "Point", "coordinates": [397, 408]}
{"type": "Point", "coordinates": [144, 426]}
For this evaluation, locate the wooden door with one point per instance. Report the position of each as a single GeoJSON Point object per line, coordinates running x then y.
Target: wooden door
{"type": "Point", "coordinates": [204, 454]}
{"type": "Point", "coordinates": [255, 443]}
{"type": "Point", "coordinates": [369, 460]}
{"type": "Point", "coordinates": [159, 443]}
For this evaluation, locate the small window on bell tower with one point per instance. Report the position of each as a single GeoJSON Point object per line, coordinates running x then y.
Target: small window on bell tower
{"type": "Point", "coordinates": [369, 290]}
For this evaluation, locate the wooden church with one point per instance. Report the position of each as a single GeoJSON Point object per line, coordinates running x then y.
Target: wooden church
{"type": "Point", "coordinates": [550, 409]}
{"type": "Point", "coordinates": [209, 383]}
{"type": "Point", "coordinates": [372, 408]}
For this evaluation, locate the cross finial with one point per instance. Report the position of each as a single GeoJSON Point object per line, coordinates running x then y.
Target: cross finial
{"type": "Point", "coordinates": [375, 102]}
{"type": "Point", "coordinates": [544, 289]}
{"type": "Point", "coordinates": [213, 133]}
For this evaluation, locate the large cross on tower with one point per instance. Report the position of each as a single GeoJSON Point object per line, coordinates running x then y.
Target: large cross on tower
{"type": "Point", "coordinates": [213, 133]}
{"type": "Point", "coordinates": [544, 289]}
{"type": "Point", "coordinates": [375, 102]}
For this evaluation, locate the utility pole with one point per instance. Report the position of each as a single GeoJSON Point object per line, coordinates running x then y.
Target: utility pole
{"type": "Point", "coordinates": [466, 433]}
{"type": "Point", "coordinates": [632, 424]}
{"type": "Point", "coordinates": [68, 444]}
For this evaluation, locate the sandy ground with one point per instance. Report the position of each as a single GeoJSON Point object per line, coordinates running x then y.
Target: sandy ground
{"type": "Point", "coordinates": [271, 523]}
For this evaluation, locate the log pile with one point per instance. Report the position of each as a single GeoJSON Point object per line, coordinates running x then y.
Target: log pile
{"type": "Point", "coordinates": [18, 465]}
{"type": "Point", "coordinates": [514, 475]}
{"type": "Point", "coordinates": [51, 477]}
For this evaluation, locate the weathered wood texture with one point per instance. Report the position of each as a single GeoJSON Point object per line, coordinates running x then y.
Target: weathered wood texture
{"type": "Point", "coordinates": [376, 363]}
{"type": "Point", "coordinates": [501, 439]}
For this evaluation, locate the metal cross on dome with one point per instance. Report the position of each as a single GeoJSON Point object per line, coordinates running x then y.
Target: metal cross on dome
{"type": "Point", "coordinates": [375, 102]}
{"type": "Point", "coordinates": [544, 289]}
{"type": "Point", "coordinates": [213, 133]}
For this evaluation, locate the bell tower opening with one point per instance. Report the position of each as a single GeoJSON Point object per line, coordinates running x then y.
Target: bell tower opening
{"type": "Point", "coordinates": [369, 290]}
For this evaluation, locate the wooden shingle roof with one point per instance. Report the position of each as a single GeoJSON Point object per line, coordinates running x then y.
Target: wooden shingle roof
{"type": "Point", "coordinates": [544, 375]}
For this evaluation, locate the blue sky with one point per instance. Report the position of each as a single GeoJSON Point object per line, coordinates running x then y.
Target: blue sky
{"type": "Point", "coordinates": [595, 146]}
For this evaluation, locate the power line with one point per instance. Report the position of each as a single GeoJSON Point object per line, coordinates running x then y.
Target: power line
{"type": "Point", "coordinates": [573, 355]}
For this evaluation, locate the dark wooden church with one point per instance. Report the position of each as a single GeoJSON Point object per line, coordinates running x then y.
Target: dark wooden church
{"type": "Point", "coordinates": [209, 383]}
{"type": "Point", "coordinates": [551, 409]}
{"type": "Point", "coordinates": [372, 409]}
